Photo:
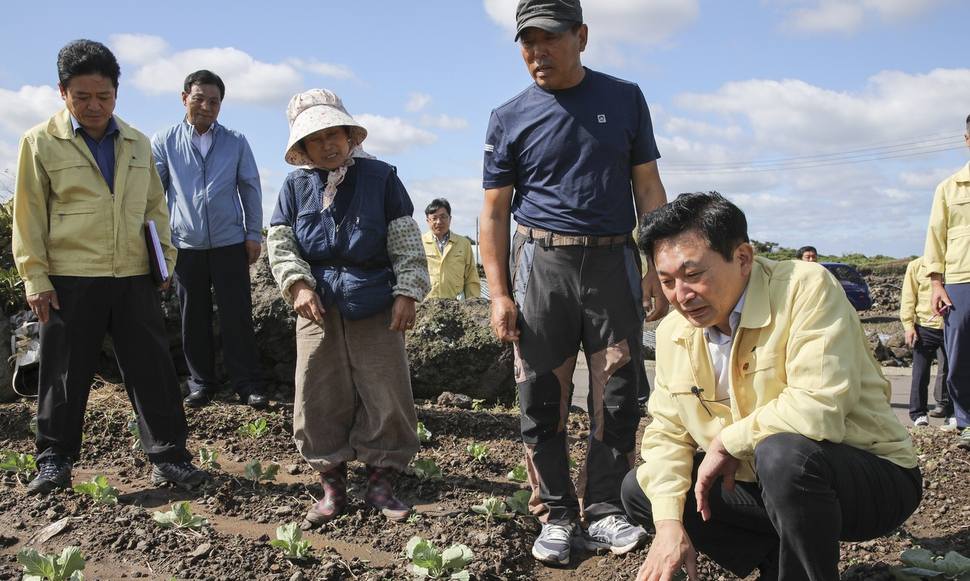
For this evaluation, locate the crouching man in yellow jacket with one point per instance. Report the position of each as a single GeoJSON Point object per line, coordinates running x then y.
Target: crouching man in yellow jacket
{"type": "Point", "coordinates": [772, 436]}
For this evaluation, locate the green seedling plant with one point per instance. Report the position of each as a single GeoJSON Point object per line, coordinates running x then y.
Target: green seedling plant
{"type": "Point", "coordinates": [289, 538]}
{"type": "Point", "coordinates": [519, 502]}
{"type": "Point", "coordinates": [180, 517]}
{"type": "Point", "coordinates": [33, 426]}
{"type": "Point", "coordinates": [426, 469]}
{"type": "Point", "coordinates": [135, 432]}
{"type": "Point", "coordinates": [209, 459]}
{"type": "Point", "coordinates": [478, 405]}
{"type": "Point", "coordinates": [923, 564]}
{"type": "Point", "coordinates": [493, 509]}
{"type": "Point", "coordinates": [427, 562]}
{"type": "Point", "coordinates": [256, 472]}
{"type": "Point", "coordinates": [68, 566]}
{"type": "Point", "coordinates": [478, 451]}
{"type": "Point", "coordinates": [255, 429]}
{"type": "Point", "coordinates": [424, 436]}
{"type": "Point", "coordinates": [518, 474]}
{"type": "Point", "coordinates": [98, 489]}
{"type": "Point", "coordinates": [23, 466]}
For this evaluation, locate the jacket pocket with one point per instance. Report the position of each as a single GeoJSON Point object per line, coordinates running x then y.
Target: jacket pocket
{"type": "Point", "coordinates": [701, 413]}
{"type": "Point", "coordinates": [75, 181]}
{"type": "Point", "coordinates": [76, 232]}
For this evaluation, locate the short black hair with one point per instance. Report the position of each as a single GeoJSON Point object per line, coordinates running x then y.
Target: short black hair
{"type": "Point", "coordinates": [205, 77]}
{"type": "Point", "coordinates": [801, 251]}
{"type": "Point", "coordinates": [719, 221]}
{"type": "Point", "coordinates": [86, 57]}
{"type": "Point", "coordinates": [436, 204]}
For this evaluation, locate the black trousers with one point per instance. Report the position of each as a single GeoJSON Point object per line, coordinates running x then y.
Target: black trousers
{"type": "Point", "coordinates": [225, 269]}
{"type": "Point", "coordinates": [128, 308]}
{"type": "Point", "coordinates": [570, 296]}
{"type": "Point", "coordinates": [929, 343]}
{"type": "Point", "coordinates": [811, 496]}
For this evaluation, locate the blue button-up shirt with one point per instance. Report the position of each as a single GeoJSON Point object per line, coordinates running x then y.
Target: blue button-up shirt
{"type": "Point", "coordinates": [103, 150]}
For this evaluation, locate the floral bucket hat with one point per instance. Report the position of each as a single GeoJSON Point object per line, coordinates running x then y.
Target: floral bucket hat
{"type": "Point", "coordinates": [311, 111]}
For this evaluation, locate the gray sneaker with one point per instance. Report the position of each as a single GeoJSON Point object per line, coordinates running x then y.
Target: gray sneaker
{"type": "Point", "coordinates": [181, 474]}
{"type": "Point", "coordinates": [616, 533]}
{"type": "Point", "coordinates": [553, 543]}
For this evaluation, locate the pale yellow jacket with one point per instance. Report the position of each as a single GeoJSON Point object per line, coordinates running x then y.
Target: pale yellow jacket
{"type": "Point", "coordinates": [454, 271]}
{"type": "Point", "coordinates": [914, 305]}
{"type": "Point", "coordinates": [66, 220]}
{"type": "Point", "coordinates": [800, 364]}
{"type": "Point", "coordinates": [947, 250]}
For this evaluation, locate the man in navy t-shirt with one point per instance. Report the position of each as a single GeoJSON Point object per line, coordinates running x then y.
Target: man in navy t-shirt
{"type": "Point", "coordinates": [573, 159]}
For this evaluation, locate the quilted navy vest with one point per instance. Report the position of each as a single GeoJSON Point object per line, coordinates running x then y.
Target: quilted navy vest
{"type": "Point", "coordinates": [348, 259]}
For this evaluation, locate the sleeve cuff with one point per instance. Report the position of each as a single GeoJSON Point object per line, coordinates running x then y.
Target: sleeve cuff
{"type": "Point", "coordinates": [36, 285]}
{"type": "Point", "coordinates": [933, 267]}
{"type": "Point", "coordinates": [737, 441]}
{"type": "Point", "coordinates": [668, 508]}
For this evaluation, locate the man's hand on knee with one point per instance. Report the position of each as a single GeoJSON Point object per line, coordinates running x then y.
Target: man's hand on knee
{"type": "Point", "coordinates": [671, 549]}
{"type": "Point", "coordinates": [717, 462]}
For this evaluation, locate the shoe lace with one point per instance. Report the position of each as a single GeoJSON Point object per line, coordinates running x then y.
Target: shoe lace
{"type": "Point", "coordinates": [178, 469]}
{"type": "Point", "coordinates": [553, 532]}
{"type": "Point", "coordinates": [612, 525]}
{"type": "Point", "coordinates": [50, 468]}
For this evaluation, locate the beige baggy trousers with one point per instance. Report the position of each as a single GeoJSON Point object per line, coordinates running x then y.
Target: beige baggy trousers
{"type": "Point", "coordinates": [353, 393]}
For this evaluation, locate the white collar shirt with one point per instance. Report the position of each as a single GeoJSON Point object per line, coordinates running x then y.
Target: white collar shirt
{"type": "Point", "coordinates": [719, 345]}
{"type": "Point", "coordinates": [203, 141]}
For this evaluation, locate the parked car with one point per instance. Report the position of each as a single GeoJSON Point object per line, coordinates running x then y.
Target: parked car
{"type": "Point", "coordinates": [853, 284]}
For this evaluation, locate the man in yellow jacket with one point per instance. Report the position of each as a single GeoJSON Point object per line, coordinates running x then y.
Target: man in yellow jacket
{"type": "Point", "coordinates": [86, 185]}
{"type": "Point", "coordinates": [924, 335]}
{"type": "Point", "coordinates": [947, 260]}
{"type": "Point", "coordinates": [451, 262]}
{"type": "Point", "coordinates": [772, 436]}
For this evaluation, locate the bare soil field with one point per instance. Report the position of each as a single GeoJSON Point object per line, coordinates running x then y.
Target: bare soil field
{"type": "Point", "coordinates": [123, 541]}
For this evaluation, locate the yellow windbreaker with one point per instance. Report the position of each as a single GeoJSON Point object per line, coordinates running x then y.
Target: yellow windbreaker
{"type": "Point", "coordinates": [947, 250]}
{"type": "Point", "coordinates": [66, 220]}
{"type": "Point", "coordinates": [800, 364]}
{"type": "Point", "coordinates": [454, 271]}
{"type": "Point", "coordinates": [914, 304]}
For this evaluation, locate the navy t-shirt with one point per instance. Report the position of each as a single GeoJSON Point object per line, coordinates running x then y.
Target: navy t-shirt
{"type": "Point", "coordinates": [570, 153]}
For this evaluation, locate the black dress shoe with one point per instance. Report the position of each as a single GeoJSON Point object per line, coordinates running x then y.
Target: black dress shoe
{"type": "Point", "coordinates": [255, 400]}
{"type": "Point", "coordinates": [197, 399]}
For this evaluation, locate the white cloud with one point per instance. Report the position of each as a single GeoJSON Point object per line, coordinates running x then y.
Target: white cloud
{"type": "Point", "coordinates": [391, 135]}
{"type": "Point", "coordinates": [22, 109]}
{"type": "Point", "coordinates": [615, 23]}
{"type": "Point", "coordinates": [323, 69]}
{"type": "Point", "coordinates": [417, 102]}
{"type": "Point", "coordinates": [847, 16]}
{"type": "Point", "coordinates": [446, 122]}
{"type": "Point", "coordinates": [138, 49]}
{"type": "Point", "coordinates": [247, 79]}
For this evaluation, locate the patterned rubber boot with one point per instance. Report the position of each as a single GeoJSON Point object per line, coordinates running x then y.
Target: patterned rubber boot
{"type": "Point", "coordinates": [380, 494]}
{"type": "Point", "coordinates": [334, 496]}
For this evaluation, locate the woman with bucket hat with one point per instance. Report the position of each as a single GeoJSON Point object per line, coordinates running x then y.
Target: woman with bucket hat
{"type": "Point", "coordinates": [347, 255]}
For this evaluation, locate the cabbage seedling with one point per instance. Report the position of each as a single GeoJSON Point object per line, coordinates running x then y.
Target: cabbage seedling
{"type": "Point", "coordinates": [478, 451]}
{"type": "Point", "coordinates": [493, 509]}
{"type": "Point", "coordinates": [68, 566]}
{"type": "Point", "coordinates": [427, 562]}
{"type": "Point", "coordinates": [426, 469]}
{"type": "Point", "coordinates": [518, 474]}
{"type": "Point", "coordinates": [98, 489]}
{"type": "Point", "coordinates": [289, 538]}
{"type": "Point", "coordinates": [424, 436]}
{"type": "Point", "coordinates": [22, 465]}
{"type": "Point", "coordinates": [256, 472]}
{"type": "Point", "coordinates": [256, 429]}
{"type": "Point", "coordinates": [180, 517]}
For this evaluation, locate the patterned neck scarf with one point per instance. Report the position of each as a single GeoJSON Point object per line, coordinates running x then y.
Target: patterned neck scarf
{"type": "Point", "coordinates": [336, 177]}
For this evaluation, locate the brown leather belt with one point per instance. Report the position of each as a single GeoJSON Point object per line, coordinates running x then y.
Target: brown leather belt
{"type": "Point", "coordinates": [545, 238]}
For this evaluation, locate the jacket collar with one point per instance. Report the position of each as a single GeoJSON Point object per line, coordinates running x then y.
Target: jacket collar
{"type": "Point", "coordinates": [60, 126]}
{"type": "Point", "coordinates": [964, 174]}
{"type": "Point", "coordinates": [756, 312]}
{"type": "Point", "coordinates": [188, 129]}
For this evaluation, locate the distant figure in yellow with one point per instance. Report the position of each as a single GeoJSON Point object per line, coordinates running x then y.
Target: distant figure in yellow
{"type": "Point", "coordinates": [924, 334]}
{"type": "Point", "coordinates": [451, 263]}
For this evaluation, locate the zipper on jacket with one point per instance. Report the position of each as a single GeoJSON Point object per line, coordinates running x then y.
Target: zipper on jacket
{"type": "Point", "coordinates": [698, 391]}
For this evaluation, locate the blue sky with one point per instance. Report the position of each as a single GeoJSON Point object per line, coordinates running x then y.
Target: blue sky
{"type": "Point", "coordinates": [774, 103]}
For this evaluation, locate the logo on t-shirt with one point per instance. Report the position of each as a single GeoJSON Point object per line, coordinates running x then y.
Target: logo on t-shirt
{"type": "Point", "coordinates": [601, 118]}
{"type": "Point", "coordinates": [489, 148]}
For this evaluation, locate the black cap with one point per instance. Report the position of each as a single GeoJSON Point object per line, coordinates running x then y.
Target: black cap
{"type": "Point", "coordinates": [550, 15]}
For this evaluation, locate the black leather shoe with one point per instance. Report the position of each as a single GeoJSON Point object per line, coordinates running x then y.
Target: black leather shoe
{"type": "Point", "coordinates": [197, 399]}
{"type": "Point", "coordinates": [255, 400]}
{"type": "Point", "coordinates": [54, 472]}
